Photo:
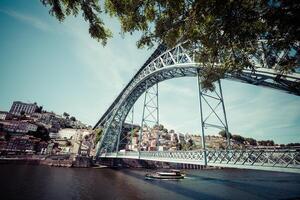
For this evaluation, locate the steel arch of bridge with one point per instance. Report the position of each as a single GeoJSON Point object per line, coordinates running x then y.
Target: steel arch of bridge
{"type": "Point", "coordinates": [174, 63]}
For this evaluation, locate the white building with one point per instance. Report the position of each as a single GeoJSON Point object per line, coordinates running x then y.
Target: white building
{"type": "Point", "coordinates": [53, 135]}
{"type": "Point", "coordinates": [31, 127]}
{"type": "Point", "coordinates": [67, 133]}
{"type": "Point", "coordinates": [65, 150]}
{"type": "Point", "coordinates": [80, 144]}
{"type": "Point", "coordinates": [18, 107]}
{"type": "Point", "coordinates": [3, 115]}
{"type": "Point", "coordinates": [162, 148]}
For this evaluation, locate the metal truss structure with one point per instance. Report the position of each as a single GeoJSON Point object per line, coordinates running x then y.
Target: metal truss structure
{"type": "Point", "coordinates": [213, 101]}
{"type": "Point", "coordinates": [130, 121]}
{"type": "Point", "coordinates": [150, 115]}
{"type": "Point", "coordinates": [282, 160]}
{"type": "Point", "coordinates": [174, 63]}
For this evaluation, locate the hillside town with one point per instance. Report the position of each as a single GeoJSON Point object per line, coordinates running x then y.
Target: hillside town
{"type": "Point", "coordinates": [159, 138]}
{"type": "Point", "coordinates": [27, 129]}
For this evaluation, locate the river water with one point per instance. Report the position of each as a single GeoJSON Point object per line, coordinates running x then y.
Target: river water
{"type": "Point", "coordinates": [43, 182]}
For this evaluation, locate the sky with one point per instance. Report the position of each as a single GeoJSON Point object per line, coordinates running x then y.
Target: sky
{"type": "Point", "coordinates": [61, 68]}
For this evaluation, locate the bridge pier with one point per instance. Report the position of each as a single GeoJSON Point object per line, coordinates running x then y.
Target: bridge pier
{"type": "Point", "coordinates": [212, 100]}
{"type": "Point", "coordinates": [150, 115]}
{"type": "Point", "coordinates": [224, 114]}
{"type": "Point", "coordinates": [202, 119]}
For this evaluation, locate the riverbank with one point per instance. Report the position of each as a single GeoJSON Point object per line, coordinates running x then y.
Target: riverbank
{"type": "Point", "coordinates": [55, 161]}
{"type": "Point", "coordinates": [70, 161]}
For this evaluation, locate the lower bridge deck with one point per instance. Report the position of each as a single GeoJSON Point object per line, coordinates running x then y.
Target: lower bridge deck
{"type": "Point", "coordinates": [281, 160]}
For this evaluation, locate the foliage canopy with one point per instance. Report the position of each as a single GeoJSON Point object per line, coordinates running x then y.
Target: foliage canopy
{"type": "Point", "coordinates": [235, 34]}
{"type": "Point", "coordinates": [98, 133]}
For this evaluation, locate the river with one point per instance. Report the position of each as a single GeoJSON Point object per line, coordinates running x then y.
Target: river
{"type": "Point", "coordinates": [50, 183]}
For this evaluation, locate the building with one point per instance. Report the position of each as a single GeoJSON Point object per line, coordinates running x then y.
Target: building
{"type": "Point", "coordinates": [162, 148]}
{"type": "Point", "coordinates": [196, 139]}
{"type": "Point", "coordinates": [82, 142]}
{"type": "Point", "coordinates": [67, 133]}
{"type": "Point", "coordinates": [50, 148]}
{"type": "Point", "coordinates": [174, 137]}
{"type": "Point", "coordinates": [53, 135]}
{"type": "Point", "coordinates": [3, 145]}
{"type": "Point", "coordinates": [18, 107]}
{"type": "Point", "coordinates": [31, 127]}
{"type": "Point", "coordinates": [181, 138]}
{"type": "Point", "coordinates": [215, 142]}
{"type": "Point", "coordinates": [64, 150]}
{"type": "Point", "coordinates": [15, 127]}
{"type": "Point", "coordinates": [21, 144]}
{"type": "Point", "coordinates": [41, 147]}
{"type": "Point", "coordinates": [18, 127]}
{"type": "Point", "coordinates": [5, 115]}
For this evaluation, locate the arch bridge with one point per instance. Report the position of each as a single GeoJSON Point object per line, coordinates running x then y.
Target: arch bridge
{"type": "Point", "coordinates": [177, 62]}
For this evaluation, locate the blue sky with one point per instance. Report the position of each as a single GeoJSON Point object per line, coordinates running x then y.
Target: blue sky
{"type": "Point", "coordinates": [60, 67]}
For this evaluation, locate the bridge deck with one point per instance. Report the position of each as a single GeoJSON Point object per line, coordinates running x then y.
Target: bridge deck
{"type": "Point", "coordinates": [270, 160]}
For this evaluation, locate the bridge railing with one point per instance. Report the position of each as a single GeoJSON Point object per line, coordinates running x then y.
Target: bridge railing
{"type": "Point", "coordinates": [126, 154]}
{"type": "Point", "coordinates": [176, 155]}
{"type": "Point", "coordinates": [276, 160]}
{"type": "Point", "coordinates": [283, 158]}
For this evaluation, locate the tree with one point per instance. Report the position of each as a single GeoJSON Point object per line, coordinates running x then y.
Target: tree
{"type": "Point", "coordinates": [98, 132]}
{"type": "Point", "coordinates": [161, 127]}
{"type": "Point", "coordinates": [222, 133]}
{"type": "Point", "coordinates": [90, 11]}
{"type": "Point", "coordinates": [238, 138]}
{"type": "Point", "coordinates": [293, 144]}
{"type": "Point", "coordinates": [73, 119]}
{"type": "Point", "coordinates": [251, 141]}
{"type": "Point", "coordinates": [41, 133]}
{"type": "Point", "coordinates": [39, 109]}
{"type": "Point", "coordinates": [232, 35]}
{"type": "Point", "coordinates": [190, 142]}
{"type": "Point", "coordinates": [189, 145]}
{"type": "Point", "coordinates": [179, 146]}
{"type": "Point", "coordinates": [66, 115]}
{"type": "Point", "coordinates": [7, 136]}
{"type": "Point", "coordinates": [176, 141]}
{"type": "Point", "coordinates": [135, 132]}
{"type": "Point", "coordinates": [266, 143]}
{"type": "Point", "coordinates": [68, 143]}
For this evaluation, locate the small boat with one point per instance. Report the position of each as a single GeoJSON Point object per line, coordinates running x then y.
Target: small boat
{"type": "Point", "coordinates": [173, 174]}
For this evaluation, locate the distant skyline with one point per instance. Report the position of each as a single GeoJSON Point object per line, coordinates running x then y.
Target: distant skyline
{"type": "Point", "coordinates": [61, 68]}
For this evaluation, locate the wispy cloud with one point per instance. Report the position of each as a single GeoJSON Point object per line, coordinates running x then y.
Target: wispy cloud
{"type": "Point", "coordinates": [26, 18]}
{"type": "Point", "coordinates": [108, 65]}
{"type": "Point", "coordinates": [268, 114]}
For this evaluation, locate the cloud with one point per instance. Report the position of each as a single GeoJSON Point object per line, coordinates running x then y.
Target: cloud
{"type": "Point", "coordinates": [183, 89]}
{"type": "Point", "coordinates": [111, 65]}
{"type": "Point", "coordinates": [268, 114]}
{"type": "Point", "coordinates": [29, 19]}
